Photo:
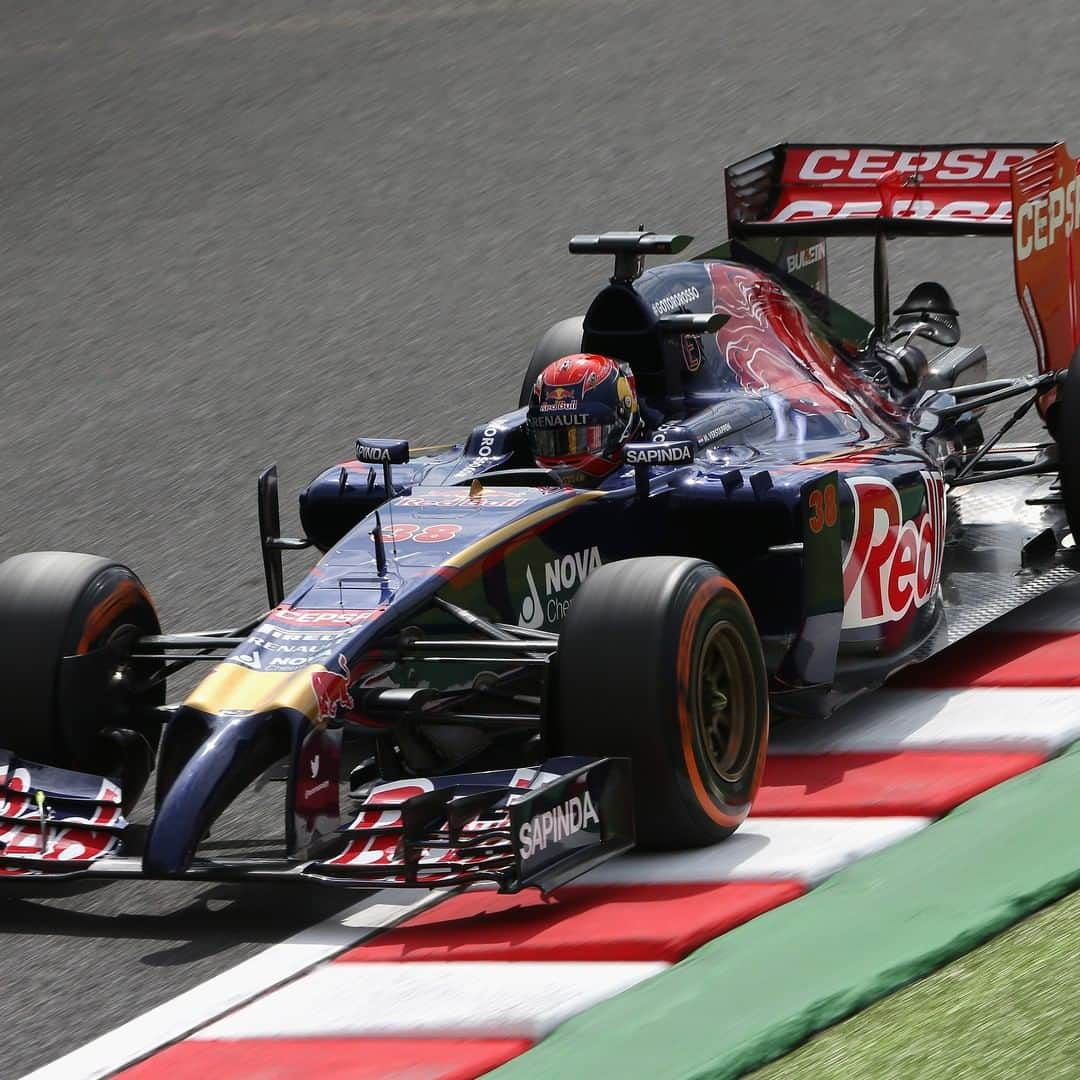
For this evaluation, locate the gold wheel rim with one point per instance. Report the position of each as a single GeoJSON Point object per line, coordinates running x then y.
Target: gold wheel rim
{"type": "Point", "coordinates": [723, 702]}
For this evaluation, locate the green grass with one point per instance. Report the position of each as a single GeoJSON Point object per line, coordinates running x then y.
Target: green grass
{"type": "Point", "coordinates": [1009, 1009]}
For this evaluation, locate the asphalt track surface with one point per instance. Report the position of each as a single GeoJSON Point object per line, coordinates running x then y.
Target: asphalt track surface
{"type": "Point", "coordinates": [239, 233]}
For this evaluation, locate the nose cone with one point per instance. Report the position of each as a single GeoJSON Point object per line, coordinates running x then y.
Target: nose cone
{"type": "Point", "coordinates": [233, 727]}
{"type": "Point", "coordinates": [231, 751]}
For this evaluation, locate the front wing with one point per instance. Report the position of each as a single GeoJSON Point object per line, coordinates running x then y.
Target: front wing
{"type": "Point", "coordinates": [538, 827]}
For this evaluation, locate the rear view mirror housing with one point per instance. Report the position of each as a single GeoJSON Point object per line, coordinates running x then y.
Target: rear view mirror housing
{"type": "Point", "coordinates": [672, 451]}
{"type": "Point", "coordinates": [668, 452]}
{"type": "Point", "coordinates": [382, 451]}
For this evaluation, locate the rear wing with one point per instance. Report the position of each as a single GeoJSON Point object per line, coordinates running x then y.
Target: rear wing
{"type": "Point", "coordinates": [861, 189]}
{"type": "Point", "coordinates": [1030, 191]}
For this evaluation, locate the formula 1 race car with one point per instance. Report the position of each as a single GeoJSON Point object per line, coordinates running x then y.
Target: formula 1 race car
{"type": "Point", "coordinates": [539, 676]}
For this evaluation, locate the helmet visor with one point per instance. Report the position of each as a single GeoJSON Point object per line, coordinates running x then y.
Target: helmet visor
{"type": "Point", "coordinates": [565, 443]}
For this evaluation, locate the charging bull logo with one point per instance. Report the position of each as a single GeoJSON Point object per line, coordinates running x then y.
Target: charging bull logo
{"type": "Point", "coordinates": [892, 565]}
{"type": "Point", "coordinates": [558, 398]}
{"type": "Point", "coordinates": [332, 691]}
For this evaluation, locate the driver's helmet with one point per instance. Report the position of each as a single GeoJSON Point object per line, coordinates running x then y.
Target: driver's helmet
{"type": "Point", "coordinates": [582, 409]}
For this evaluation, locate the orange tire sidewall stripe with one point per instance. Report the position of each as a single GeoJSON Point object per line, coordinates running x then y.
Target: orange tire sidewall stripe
{"type": "Point", "coordinates": [126, 594]}
{"type": "Point", "coordinates": [682, 668]}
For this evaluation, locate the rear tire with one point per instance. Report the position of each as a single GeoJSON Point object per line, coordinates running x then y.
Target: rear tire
{"type": "Point", "coordinates": [660, 661]}
{"type": "Point", "coordinates": [56, 604]}
{"type": "Point", "coordinates": [562, 339]}
{"type": "Point", "coordinates": [1067, 431]}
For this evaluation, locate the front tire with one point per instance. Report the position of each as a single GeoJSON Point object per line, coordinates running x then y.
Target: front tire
{"type": "Point", "coordinates": [660, 661]}
{"type": "Point", "coordinates": [1067, 430]}
{"type": "Point", "coordinates": [57, 604]}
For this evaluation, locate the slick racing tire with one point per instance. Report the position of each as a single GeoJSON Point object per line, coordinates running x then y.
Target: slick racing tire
{"type": "Point", "coordinates": [56, 604]}
{"type": "Point", "coordinates": [562, 339]}
{"type": "Point", "coordinates": [1067, 429]}
{"type": "Point", "coordinates": [659, 661]}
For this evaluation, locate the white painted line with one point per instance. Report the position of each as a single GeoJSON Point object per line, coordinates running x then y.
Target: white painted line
{"type": "Point", "coordinates": [764, 849]}
{"type": "Point", "coordinates": [185, 1013]}
{"type": "Point", "coordinates": [981, 719]}
{"type": "Point", "coordinates": [504, 1000]}
{"type": "Point", "coordinates": [1055, 612]}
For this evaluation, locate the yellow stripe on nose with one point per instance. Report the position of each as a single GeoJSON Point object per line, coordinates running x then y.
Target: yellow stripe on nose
{"type": "Point", "coordinates": [232, 686]}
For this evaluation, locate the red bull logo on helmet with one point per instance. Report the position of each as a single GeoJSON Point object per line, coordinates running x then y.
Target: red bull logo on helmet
{"type": "Point", "coordinates": [558, 398]}
{"type": "Point", "coordinates": [332, 691]}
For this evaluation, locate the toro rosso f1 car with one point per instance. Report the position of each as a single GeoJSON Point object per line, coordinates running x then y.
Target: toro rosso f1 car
{"type": "Point", "coordinates": [539, 676]}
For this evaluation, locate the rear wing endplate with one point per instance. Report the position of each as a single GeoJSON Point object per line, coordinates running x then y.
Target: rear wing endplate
{"type": "Point", "coordinates": [1046, 254]}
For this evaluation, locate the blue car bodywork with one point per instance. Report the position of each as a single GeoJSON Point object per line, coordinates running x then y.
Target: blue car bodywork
{"type": "Point", "coordinates": [850, 517]}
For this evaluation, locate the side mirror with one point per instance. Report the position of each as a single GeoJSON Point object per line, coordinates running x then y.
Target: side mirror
{"type": "Point", "coordinates": [382, 451]}
{"type": "Point", "coordinates": [644, 455]}
{"type": "Point", "coordinates": [669, 452]}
